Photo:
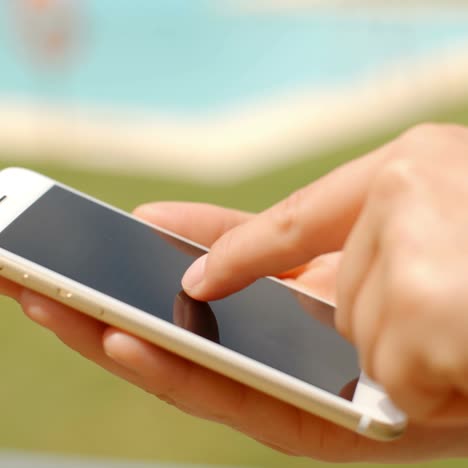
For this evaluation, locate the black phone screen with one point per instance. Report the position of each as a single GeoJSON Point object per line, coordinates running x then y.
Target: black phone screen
{"type": "Point", "coordinates": [140, 266]}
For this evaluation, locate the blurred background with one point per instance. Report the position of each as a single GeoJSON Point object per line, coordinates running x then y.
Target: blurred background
{"type": "Point", "coordinates": [235, 102]}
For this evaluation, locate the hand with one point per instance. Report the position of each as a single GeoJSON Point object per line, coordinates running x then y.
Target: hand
{"type": "Point", "coordinates": [206, 394]}
{"type": "Point", "coordinates": [400, 214]}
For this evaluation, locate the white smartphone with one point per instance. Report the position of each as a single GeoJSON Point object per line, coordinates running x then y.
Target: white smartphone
{"type": "Point", "coordinates": [111, 266]}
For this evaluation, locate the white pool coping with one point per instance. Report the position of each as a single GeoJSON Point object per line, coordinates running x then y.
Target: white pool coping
{"type": "Point", "coordinates": [239, 143]}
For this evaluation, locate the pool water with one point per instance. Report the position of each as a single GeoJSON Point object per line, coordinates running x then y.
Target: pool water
{"type": "Point", "coordinates": [184, 57]}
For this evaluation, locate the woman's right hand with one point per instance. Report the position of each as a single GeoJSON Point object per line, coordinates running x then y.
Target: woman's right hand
{"type": "Point", "coordinates": [206, 394]}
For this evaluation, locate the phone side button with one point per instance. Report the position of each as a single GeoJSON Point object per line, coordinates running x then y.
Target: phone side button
{"type": "Point", "coordinates": [364, 424]}
{"type": "Point", "coordinates": [64, 294]}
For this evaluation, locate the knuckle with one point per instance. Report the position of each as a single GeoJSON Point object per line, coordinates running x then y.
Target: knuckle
{"type": "Point", "coordinates": [443, 363]}
{"type": "Point", "coordinates": [424, 133]}
{"type": "Point", "coordinates": [410, 156]}
{"type": "Point", "coordinates": [421, 133]}
{"type": "Point", "coordinates": [429, 138]}
{"type": "Point", "coordinates": [395, 178]}
{"type": "Point", "coordinates": [285, 215]}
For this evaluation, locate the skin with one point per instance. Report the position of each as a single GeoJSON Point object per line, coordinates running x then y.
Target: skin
{"type": "Point", "coordinates": [398, 217]}
{"type": "Point", "coordinates": [401, 283]}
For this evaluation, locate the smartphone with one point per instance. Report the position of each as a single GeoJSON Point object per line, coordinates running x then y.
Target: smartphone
{"type": "Point", "coordinates": [271, 336]}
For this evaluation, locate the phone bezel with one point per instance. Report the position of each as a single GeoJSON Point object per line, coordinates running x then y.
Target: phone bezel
{"type": "Point", "coordinates": [371, 413]}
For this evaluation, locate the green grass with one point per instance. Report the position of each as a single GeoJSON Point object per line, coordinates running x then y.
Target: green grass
{"type": "Point", "coordinates": [53, 400]}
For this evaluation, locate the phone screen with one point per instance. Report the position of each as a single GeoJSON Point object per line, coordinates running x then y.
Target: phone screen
{"type": "Point", "coordinates": [139, 266]}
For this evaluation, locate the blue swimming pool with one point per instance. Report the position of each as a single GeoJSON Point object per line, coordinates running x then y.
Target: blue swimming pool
{"type": "Point", "coordinates": [184, 57]}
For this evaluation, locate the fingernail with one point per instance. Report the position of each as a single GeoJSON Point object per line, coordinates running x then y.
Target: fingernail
{"type": "Point", "coordinates": [37, 314]}
{"type": "Point", "coordinates": [117, 341]}
{"type": "Point", "coordinates": [195, 274]}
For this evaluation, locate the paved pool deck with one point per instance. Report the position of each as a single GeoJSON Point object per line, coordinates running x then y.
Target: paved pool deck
{"type": "Point", "coordinates": [29, 460]}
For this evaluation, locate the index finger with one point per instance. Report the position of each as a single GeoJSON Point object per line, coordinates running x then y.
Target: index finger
{"type": "Point", "coordinates": [200, 222]}
{"type": "Point", "coordinates": [313, 221]}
